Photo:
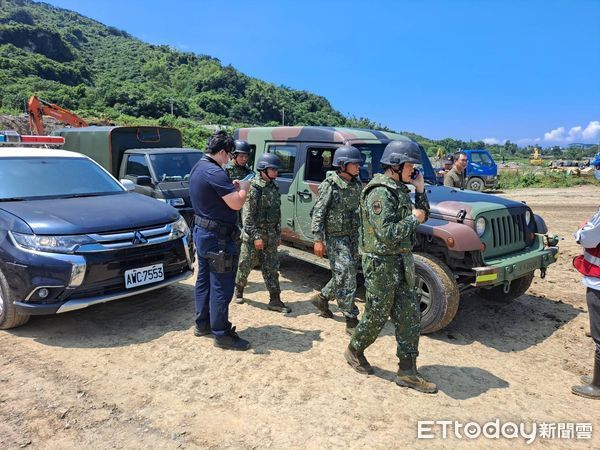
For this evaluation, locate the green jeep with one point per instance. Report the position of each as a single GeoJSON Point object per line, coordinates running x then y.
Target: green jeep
{"type": "Point", "coordinates": [471, 240]}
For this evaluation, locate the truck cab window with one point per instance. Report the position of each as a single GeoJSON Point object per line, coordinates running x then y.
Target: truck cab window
{"type": "Point", "coordinates": [137, 166]}
{"type": "Point", "coordinates": [318, 162]}
{"type": "Point", "coordinates": [287, 156]}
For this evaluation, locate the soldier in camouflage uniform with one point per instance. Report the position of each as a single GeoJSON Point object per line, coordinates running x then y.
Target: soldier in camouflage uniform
{"type": "Point", "coordinates": [262, 232]}
{"type": "Point", "coordinates": [237, 168]}
{"type": "Point", "coordinates": [335, 223]}
{"type": "Point", "coordinates": [387, 236]}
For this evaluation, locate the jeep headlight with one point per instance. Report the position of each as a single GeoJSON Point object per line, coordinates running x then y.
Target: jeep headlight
{"type": "Point", "coordinates": [480, 226]}
{"type": "Point", "coordinates": [527, 217]}
{"type": "Point", "coordinates": [180, 228]}
{"type": "Point", "coordinates": [52, 244]}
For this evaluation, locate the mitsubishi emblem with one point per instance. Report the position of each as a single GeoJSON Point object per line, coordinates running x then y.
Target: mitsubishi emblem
{"type": "Point", "coordinates": [138, 238]}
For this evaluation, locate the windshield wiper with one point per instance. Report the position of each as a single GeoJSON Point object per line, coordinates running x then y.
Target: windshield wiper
{"type": "Point", "coordinates": [95, 194]}
{"type": "Point", "coordinates": [12, 199]}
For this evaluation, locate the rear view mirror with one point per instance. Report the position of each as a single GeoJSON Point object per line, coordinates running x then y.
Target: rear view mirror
{"type": "Point", "coordinates": [143, 180]}
{"type": "Point", "coordinates": [128, 184]}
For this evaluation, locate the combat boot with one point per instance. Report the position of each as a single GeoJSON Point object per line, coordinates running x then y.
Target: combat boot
{"type": "Point", "coordinates": [356, 359]}
{"type": "Point", "coordinates": [591, 390]}
{"type": "Point", "coordinates": [320, 302]}
{"type": "Point", "coordinates": [351, 324]}
{"type": "Point", "coordinates": [275, 304]}
{"type": "Point", "coordinates": [408, 376]}
{"type": "Point", "coordinates": [239, 293]}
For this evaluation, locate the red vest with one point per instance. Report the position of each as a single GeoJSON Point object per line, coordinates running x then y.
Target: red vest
{"type": "Point", "coordinates": [588, 264]}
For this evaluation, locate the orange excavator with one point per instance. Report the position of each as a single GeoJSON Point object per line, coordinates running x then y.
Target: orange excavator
{"type": "Point", "coordinates": [37, 108]}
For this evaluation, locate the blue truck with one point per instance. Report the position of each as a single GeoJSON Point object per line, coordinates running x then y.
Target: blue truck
{"type": "Point", "coordinates": [482, 171]}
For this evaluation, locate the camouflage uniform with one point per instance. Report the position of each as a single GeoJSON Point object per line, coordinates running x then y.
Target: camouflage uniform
{"type": "Point", "coordinates": [261, 219]}
{"type": "Point", "coordinates": [237, 172]}
{"type": "Point", "coordinates": [335, 221]}
{"type": "Point", "coordinates": [386, 239]}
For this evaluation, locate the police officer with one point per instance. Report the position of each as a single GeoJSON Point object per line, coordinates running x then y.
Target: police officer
{"type": "Point", "coordinates": [335, 223]}
{"type": "Point", "coordinates": [389, 221]}
{"type": "Point", "coordinates": [237, 168]}
{"type": "Point", "coordinates": [262, 232]}
{"type": "Point", "coordinates": [216, 200]}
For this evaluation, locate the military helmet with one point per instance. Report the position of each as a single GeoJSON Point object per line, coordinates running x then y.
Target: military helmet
{"type": "Point", "coordinates": [268, 160]}
{"type": "Point", "coordinates": [398, 152]}
{"type": "Point", "coordinates": [241, 147]}
{"type": "Point", "coordinates": [346, 154]}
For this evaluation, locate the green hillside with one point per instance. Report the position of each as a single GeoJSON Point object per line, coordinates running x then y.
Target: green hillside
{"type": "Point", "coordinates": [107, 75]}
{"type": "Point", "coordinates": [100, 71]}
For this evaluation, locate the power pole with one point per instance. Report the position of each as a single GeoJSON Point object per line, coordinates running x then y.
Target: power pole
{"type": "Point", "coordinates": [283, 116]}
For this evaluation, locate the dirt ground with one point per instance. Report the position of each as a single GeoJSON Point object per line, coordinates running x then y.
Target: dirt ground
{"type": "Point", "coordinates": [131, 374]}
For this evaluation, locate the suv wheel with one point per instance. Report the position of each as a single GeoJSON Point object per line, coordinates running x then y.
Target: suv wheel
{"type": "Point", "coordinates": [475, 184]}
{"type": "Point", "coordinates": [9, 317]}
{"type": "Point", "coordinates": [437, 292]}
{"type": "Point", "coordinates": [517, 288]}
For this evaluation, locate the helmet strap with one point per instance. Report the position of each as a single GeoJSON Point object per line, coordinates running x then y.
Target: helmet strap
{"type": "Point", "coordinates": [266, 174]}
{"type": "Point", "coordinates": [397, 171]}
{"type": "Point", "coordinates": [342, 169]}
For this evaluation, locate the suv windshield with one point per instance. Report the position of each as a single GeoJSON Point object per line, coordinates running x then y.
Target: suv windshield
{"type": "Point", "coordinates": [174, 166]}
{"type": "Point", "coordinates": [372, 155]}
{"type": "Point", "coordinates": [47, 177]}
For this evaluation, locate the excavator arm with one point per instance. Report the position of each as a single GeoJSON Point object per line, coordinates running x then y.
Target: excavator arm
{"type": "Point", "coordinates": [37, 108]}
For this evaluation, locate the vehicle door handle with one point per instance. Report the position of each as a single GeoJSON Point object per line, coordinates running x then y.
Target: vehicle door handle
{"type": "Point", "coordinates": [290, 197]}
{"type": "Point", "coordinates": [305, 195]}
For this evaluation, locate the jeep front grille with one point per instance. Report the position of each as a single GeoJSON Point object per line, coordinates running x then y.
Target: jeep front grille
{"type": "Point", "coordinates": [506, 233]}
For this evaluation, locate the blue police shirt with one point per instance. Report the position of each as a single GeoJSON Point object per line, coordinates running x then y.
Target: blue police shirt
{"type": "Point", "coordinates": [209, 183]}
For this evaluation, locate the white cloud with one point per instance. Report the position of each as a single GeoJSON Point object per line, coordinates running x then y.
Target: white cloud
{"type": "Point", "coordinates": [592, 131]}
{"type": "Point", "coordinates": [574, 133]}
{"type": "Point", "coordinates": [490, 141]}
{"type": "Point", "coordinates": [558, 134]}
{"type": "Point", "coordinates": [589, 134]}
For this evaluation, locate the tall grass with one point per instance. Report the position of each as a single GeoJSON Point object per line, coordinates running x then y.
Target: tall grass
{"type": "Point", "coordinates": [542, 179]}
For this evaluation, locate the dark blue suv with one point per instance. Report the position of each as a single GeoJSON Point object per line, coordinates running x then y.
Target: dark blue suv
{"type": "Point", "coordinates": [72, 236]}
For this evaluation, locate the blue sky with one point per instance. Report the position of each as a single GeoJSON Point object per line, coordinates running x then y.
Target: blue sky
{"type": "Point", "coordinates": [528, 71]}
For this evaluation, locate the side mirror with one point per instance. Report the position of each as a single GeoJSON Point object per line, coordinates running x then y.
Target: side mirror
{"type": "Point", "coordinates": [128, 184]}
{"type": "Point", "coordinates": [143, 180]}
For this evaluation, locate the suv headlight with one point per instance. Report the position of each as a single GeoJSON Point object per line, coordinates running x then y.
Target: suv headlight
{"type": "Point", "coordinates": [177, 201]}
{"type": "Point", "coordinates": [480, 226]}
{"type": "Point", "coordinates": [52, 244]}
{"type": "Point", "coordinates": [527, 217]}
{"type": "Point", "coordinates": [180, 228]}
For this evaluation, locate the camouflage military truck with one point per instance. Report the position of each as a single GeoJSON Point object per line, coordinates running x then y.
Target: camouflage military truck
{"type": "Point", "coordinates": [471, 240]}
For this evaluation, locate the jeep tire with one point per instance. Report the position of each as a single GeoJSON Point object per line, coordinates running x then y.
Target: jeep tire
{"type": "Point", "coordinates": [437, 292]}
{"type": "Point", "coordinates": [9, 317]}
{"type": "Point", "coordinates": [517, 288]}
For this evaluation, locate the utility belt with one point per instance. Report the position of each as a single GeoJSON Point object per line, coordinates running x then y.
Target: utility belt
{"type": "Point", "coordinates": [268, 226]}
{"type": "Point", "coordinates": [222, 230]}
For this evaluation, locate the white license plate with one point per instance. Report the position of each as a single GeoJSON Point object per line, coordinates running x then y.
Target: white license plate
{"type": "Point", "coordinates": [144, 275]}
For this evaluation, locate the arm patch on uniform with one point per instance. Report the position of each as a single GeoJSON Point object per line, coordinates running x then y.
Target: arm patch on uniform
{"type": "Point", "coordinates": [376, 207]}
